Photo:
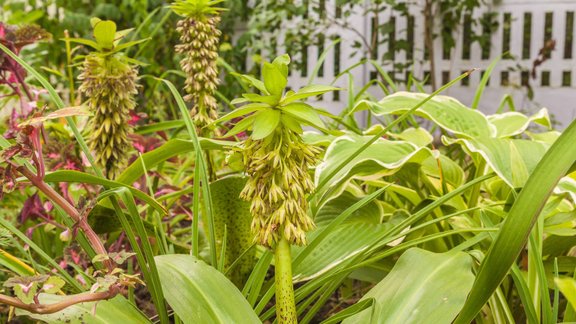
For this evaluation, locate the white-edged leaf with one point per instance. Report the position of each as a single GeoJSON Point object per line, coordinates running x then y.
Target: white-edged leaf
{"type": "Point", "coordinates": [445, 111]}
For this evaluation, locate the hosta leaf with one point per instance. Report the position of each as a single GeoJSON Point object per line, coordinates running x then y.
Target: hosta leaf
{"type": "Point", "coordinates": [233, 213]}
{"type": "Point", "coordinates": [512, 159]}
{"type": "Point", "coordinates": [423, 287]}
{"type": "Point", "coordinates": [307, 91]}
{"type": "Point", "coordinates": [452, 173]}
{"type": "Point", "coordinates": [198, 293]}
{"type": "Point", "coordinates": [343, 243]}
{"type": "Point", "coordinates": [384, 157]}
{"type": "Point", "coordinates": [274, 80]}
{"type": "Point", "coordinates": [304, 113]}
{"type": "Point", "coordinates": [445, 111]}
{"type": "Point", "coordinates": [265, 123]}
{"type": "Point", "coordinates": [514, 123]}
{"type": "Point", "coordinates": [115, 310]}
{"type": "Point", "coordinates": [358, 231]}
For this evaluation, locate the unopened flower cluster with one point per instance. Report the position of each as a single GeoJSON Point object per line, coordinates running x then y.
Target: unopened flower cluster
{"type": "Point", "coordinates": [199, 44]}
{"type": "Point", "coordinates": [278, 184]}
{"type": "Point", "coordinates": [109, 83]}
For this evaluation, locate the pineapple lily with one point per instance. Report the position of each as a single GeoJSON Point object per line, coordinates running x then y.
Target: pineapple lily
{"type": "Point", "coordinates": [277, 162]}
{"type": "Point", "coordinates": [109, 84]}
{"type": "Point", "coordinates": [199, 39]}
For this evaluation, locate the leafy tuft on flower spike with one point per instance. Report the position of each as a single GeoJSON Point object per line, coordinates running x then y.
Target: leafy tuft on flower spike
{"type": "Point", "coordinates": [199, 39]}
{"type": "Point", "coordinates": [109, 84]}
{"type": "Point", "coordinates": [276, 158]}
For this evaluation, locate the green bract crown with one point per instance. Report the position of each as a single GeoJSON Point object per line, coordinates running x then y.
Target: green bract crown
{"type": "Point", "coordinates": [107, 39]}
{"type": "Point", "coordinates": [275, 107]}
{"type": "Point", "coordinates": [196, 8]}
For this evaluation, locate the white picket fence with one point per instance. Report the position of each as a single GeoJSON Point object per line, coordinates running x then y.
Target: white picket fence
{"type": "Point", "coordinates": [524, 27]}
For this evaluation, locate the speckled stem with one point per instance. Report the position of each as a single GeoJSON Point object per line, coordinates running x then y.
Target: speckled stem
{"type": "Point", "coordinates": [285, 305]}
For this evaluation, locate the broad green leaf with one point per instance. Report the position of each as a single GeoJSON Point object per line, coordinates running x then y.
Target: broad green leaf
{"type": "Point", "coordinates": [292, 124]}
{"type": "Point", "coordinates": [267, 99]}
{"type": "Point", "coordinates": [423, 287]}
{"type": "Point", "coordinates": [347, 226]}
{"type": "Point", "coordinates": [241, 126]}
{"type": "Point", "coordinates": [514, 123]}
{"type": "Point", "coordinates": [232, 214]}
{"type": "Point", "coordinates": [168, 150]}
{"type": "Point", "coordinates": [512, 159]}
{"type": "Point", "coordinates": [104, 33]}
{"type": "Point", "coordinates": [568, 288]}
{"type": "Point", "coordinates": [304, 113]}
{"type": "Point", "coordinates": [199, 293]}
{"type": "Point", "coordinates": [314, 138]}
{"type": "Point", "coordinates": [445, 111]}
{"type": "Point", "coordinates": [340, 245]}
{"type": "Point", "coordinates": [516, 227]}
{"type": "Point", "coordinates": [452, 173]}
{"type": "Point", "coordinates": [115, 310]}
{"type": "Point", "coordinates": [274, 80]}
{"type": "Point", "coordinates": [281, 62]}
{"type": "Point", "coordinates": [265, 123]}
{"type": "Point", "coordinates": [83, 41]}
{"type": "Point", "coordinates": [253, 82]}
{"type": "Point", "coordinates": [383, 157]}
{"type": "Point", "coordinates": [307, 91]}
{"type": "Point", "coordinates": [419, 136]}
{"type": "Point", "coordinates": [244, 110]}
{"type": "Point", "coordinates": [546, 137]}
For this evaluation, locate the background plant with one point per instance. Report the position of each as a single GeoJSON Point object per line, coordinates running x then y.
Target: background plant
{"type": "Point", "coordinates": [392, 201]}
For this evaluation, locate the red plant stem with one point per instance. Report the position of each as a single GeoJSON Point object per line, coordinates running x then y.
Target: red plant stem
{"type": "Point", "coordinates": [53, 308]}
{"type": "Point", "coordinates": [92, 237]}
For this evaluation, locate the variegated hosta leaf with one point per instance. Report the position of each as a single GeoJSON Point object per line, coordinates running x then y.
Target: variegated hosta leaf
{"type": "Point", "coordinates": [423, 287]}
{"type": "Point", "coordinates": [383, 157]}
{"type": "Point", "coordinates": [357, 233]}
{"type": "Point", "coordinates": [514, 123]}
{"type": "Point", "coordinates": [512, 159]}
{"type": "Point", "coordinates": [445, 111]}
{"type": "Point", "coordinates": [419, 136]}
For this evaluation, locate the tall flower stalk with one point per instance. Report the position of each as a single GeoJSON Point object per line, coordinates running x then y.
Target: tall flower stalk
{"type": "Point", "coordinates": [109, 85]}
{"type": "Point", "coordinates": [277, 161]}
{"type": "Point", "coordinates": [199, 40]}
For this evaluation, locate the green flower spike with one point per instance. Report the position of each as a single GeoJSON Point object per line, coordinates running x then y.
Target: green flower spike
{"type": "Point", "coordinates": [109, 84]}
{"type": "Point", "coordinates": [199, 40]}
{"type": "Point", "coordinates": [277, 162]}
{"type": "Point", "coordinates": [276, 158]}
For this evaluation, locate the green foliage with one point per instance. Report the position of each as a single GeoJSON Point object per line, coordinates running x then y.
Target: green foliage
{"type": "Point", "coordinates": [428, 211]}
